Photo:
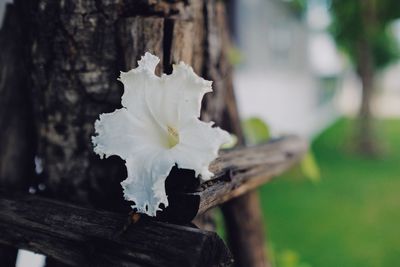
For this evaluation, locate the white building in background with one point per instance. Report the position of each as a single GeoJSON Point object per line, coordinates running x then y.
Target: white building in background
{"type": "Point", "coordinates": [290, 70]}
{"type": "Point", "coordinates": [386, 102]}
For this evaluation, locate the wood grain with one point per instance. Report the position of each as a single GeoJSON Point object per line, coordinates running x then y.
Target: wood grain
{"type": "Point", "coordinates": [80, 236]}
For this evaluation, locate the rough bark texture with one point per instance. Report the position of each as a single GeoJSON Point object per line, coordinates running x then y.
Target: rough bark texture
{"type": "Point", "coordinates": [79, 49]}
{"type": "Point", "coordinates": [75, 67]}
{"type": "Point", "coordinates": [84, 237]}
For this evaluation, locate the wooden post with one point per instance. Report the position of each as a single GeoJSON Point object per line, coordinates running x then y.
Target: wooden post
{"type": "Point", "coordinates": [246, 237]}
{"type": "Point", "coordinates": [16, 134]}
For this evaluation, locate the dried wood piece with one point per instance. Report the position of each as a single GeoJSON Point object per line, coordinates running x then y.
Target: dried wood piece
{"type": "Point", "coordinates": [84, 237]}
{"type": "Point", "coordinates": [236, 172]}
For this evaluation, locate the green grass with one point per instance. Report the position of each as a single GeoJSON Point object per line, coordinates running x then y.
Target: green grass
{"type": "Point", "coordinates": [351, 218]}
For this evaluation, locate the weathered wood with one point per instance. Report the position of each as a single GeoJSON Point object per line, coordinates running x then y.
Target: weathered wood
{"type": "Point", "coordinates": [139, 35]}
{"type": "Point", "coordinates": [242, 170]}
{"type": "Point", "coordinates": [16, 134]}
{"type": "Point", "coordinates": [8, 255]}
{"type": "Point", "coordinates": [236, 172]}
{"type": "Point", "coordinates": [84, 237]}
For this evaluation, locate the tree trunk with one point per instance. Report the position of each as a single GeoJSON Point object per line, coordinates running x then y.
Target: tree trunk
{"type": "Point", "coordinates": [79, 49]}
{"type": "Point", "coordinates": [365, 138]}
{"type": "Point", "coordinates": [72, 52]}
{"type": "Point", "coordinates": [366, 143]}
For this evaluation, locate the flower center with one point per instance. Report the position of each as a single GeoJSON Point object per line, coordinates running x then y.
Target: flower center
{"type": "Point", "coordinates": [173, 136]}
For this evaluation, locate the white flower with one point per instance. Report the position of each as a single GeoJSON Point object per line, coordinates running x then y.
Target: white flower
{"type": "Point", "coordinates": [157, 128]}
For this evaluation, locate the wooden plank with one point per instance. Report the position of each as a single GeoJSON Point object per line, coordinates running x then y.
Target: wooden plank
{"type": "Point", "coordinates": [80, 236]}
{"type": "Point", "coordinates": [236, 172]}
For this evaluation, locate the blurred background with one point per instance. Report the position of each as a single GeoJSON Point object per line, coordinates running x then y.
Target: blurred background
{"type": "Point", "coordinates": [327, 70]}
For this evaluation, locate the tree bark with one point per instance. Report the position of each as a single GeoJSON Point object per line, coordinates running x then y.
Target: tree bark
{"type": "Point", "coordinates": [80, 47]}
{"type": "Point", "coordinates": [366, 142]}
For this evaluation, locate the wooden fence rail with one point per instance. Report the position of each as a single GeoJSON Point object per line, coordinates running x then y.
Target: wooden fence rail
{"type": "Point", "coordinates": [236, 172]}
{"type": "Point", "coordinates": [85, 237]}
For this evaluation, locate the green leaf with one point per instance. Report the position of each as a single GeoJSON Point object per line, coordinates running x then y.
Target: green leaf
{"type": "Point", "coordinates": [220, 224]}
{"type": "Point", "coordinates": [232, 143]}
{"type": "Point", "coordinates": [288, 258]}
{"type": "Point", "coordinates": [235, 57]}
{"type": "Point", "coordinates": [256, 131]}
{"type": "Point", "coordinates": [310, 168]}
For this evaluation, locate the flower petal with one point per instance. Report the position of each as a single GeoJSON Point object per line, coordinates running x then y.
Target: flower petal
{"type": "Point", "coordinates": [198, 146]}
{"type": "Point", "coordinates": [145, 184]}
{"type": "Point", "coordinates": [120, 133]}
{"type": "Point", "coordinates": [157, 128]}
{"type": "Point", "coordinates": [181, 94]}
{"type": "Point", "coordinates": [148, 62]}
{"type": "Point", "coordinates": [170, 100]}
{"type": "Point", "coordinates": [142, 92]}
